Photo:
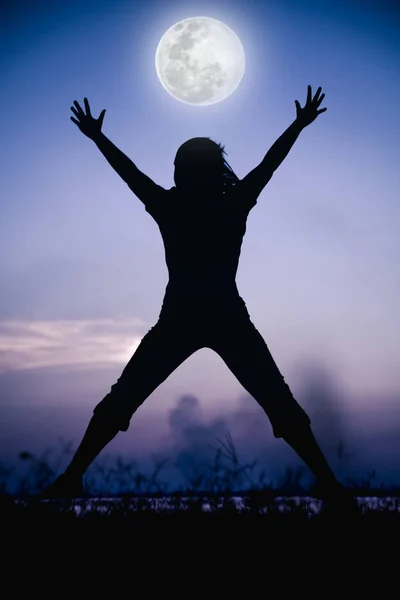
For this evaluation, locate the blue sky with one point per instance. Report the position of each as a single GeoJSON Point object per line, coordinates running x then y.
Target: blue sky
{"type": "Point", "coordinates": [82, 266]}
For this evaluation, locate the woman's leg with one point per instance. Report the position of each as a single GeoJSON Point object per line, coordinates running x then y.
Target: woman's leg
{"type": "Point", "coordinates": [161, 351]}
{"type": "Point", "coordinates": [246, 354]}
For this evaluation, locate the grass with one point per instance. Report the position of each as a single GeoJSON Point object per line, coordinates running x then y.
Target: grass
{"type": "Point", "coordinates": [126, 498]}
{"type": "Point", "coordinates": [223, 474]}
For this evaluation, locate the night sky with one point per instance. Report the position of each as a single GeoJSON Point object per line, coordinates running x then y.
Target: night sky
{"type": "Point", "coordinates": [82, 266]}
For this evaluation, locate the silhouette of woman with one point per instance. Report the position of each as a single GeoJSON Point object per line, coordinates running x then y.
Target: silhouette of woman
{"type": "Point", "coordinates": [202, 220]}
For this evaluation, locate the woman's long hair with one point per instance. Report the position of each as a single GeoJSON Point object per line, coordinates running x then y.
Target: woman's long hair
{"type": "Point", "coordinates": [230, 178]}
{"type": "Point", "coordinates": [204, 148]}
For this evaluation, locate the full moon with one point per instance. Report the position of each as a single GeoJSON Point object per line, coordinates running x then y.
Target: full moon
{"type": "Point", "coordinates": [200, 61]}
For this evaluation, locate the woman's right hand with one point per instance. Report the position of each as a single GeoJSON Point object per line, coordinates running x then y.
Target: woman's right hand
{"type": "Point", "coordinates": [309, 112]}
{"type": "Point", "coordinates": [87, 124]}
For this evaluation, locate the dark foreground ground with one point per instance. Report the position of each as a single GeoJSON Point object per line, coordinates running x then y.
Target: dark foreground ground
{"type": "Point", "coordinates": [198, 546]}
{"type": "Point", "coordinates": [186, 520]}
{"type": "Point", "coordinates": [147, 541]}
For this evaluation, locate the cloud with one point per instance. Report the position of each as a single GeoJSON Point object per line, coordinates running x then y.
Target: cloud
{"type": "Point", "coordinates": [325, 402]}
{"type": "Point", "coordinates": [28, 344]}
{"type": "Point", "coordinates": [191, 440]}
{"type": "Point", "coordinates": [194, 435]}
{"type": "Point", "coordinates": [196, 438]}
{"type": "Point", "coordinates": [351, 448]}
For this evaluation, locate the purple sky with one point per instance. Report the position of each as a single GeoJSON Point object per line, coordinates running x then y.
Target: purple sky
{"type": "Point", "coordinates": [82, 265]}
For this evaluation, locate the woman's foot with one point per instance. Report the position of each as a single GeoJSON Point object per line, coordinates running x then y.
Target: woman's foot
{"type": "Point", "coordinates": [65, 486]}
{"type": "Point", "coordinates": [337, 499]}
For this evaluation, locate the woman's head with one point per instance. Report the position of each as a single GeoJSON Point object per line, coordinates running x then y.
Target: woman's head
{"type": "Point", "coordinates": [200, 164]}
